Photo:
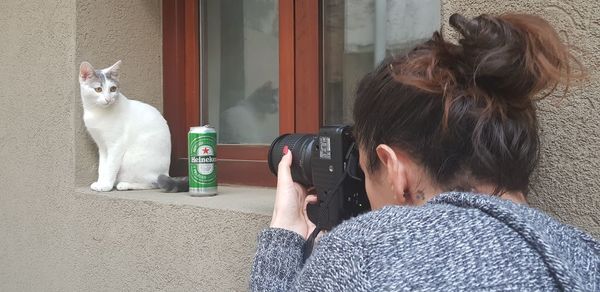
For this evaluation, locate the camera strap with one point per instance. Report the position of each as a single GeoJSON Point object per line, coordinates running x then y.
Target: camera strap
{"type": "Point", "coordinates": [310, 241]}
{"type": "Point", "coordinates": [309, 244]}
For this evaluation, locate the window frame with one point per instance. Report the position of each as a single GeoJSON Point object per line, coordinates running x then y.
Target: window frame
{"type": "Point", "coordinates": [300, 100]}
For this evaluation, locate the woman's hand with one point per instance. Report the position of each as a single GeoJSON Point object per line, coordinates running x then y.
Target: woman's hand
{"type": "Point", "coordinates": [291, 200]}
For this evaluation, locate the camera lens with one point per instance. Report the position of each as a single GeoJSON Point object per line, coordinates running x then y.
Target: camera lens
{"type": "Point", "coordinates": [301, 146]}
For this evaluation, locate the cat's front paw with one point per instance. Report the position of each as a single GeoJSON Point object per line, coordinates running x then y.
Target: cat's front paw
{"type": "Point", "coordinates": [123, 186]}
{"type": "Point", "coordinates": [101, 187]}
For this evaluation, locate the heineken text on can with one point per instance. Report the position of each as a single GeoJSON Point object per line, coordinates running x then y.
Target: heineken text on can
{"type": "Point", "coordinates": [202, 154]}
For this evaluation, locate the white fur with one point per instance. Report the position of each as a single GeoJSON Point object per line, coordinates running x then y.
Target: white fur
{"type": "Point", "coordinates": [134, 144]}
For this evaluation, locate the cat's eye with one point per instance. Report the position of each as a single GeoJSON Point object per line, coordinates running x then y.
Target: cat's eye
{"type": "Point", "coordinates": [98, 89]}
{"type": "Point", "coordinates": [113, 89]}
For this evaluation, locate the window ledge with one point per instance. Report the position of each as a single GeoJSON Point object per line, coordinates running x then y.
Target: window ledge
{"type": "Point", "coordinates": [235, 198]}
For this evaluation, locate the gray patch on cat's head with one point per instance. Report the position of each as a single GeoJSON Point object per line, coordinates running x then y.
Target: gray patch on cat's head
{"type": "Point", "coordinates": [101, 76]}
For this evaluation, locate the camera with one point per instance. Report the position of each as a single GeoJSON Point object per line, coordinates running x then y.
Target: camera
{"type": "Point", "coordinates": [328, 162]}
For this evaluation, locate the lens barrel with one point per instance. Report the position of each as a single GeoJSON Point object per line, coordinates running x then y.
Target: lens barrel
{"type": "Point", "coordinates": [301, 146]}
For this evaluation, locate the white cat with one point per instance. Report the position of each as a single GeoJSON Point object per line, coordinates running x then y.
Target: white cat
{"type": "Point", "coordinates": [134, 144]}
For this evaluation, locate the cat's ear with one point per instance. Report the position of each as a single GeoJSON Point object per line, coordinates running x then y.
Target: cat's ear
{"type": "Point", "coordinates": [86, 71]}
{"type": "Point", "coordinates": [113, 70]}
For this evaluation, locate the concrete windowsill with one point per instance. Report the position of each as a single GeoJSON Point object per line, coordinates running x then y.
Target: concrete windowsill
{"type": "Point", "coordinates": [235, 198]}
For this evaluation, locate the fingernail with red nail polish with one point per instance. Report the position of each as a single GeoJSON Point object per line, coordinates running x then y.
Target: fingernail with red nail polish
{"type": "Point", "coordinates": [285, 150]}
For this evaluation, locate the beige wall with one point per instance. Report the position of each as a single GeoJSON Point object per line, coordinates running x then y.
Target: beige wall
{"type": "Point", "coordinates": [54, 237]}
{"type": "Point", "coordinates": [126, 245]}
{"type": "Point", "coordinates": [567, 184]}
{"type": "Point", "coordinates": [37, 57]}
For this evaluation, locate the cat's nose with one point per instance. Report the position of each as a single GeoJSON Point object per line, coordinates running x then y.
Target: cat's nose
{"type": "Point", "coordinates": [108, 100]}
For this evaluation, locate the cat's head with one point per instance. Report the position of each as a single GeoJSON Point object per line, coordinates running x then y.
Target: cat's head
{"type": "Point", "coordinates": [265, 98]}
{"type": "Point", "coordinates": [99, 87]}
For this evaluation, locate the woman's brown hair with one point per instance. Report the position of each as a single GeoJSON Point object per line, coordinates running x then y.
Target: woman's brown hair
{"type": "Point", "coordinates": [466, 111]}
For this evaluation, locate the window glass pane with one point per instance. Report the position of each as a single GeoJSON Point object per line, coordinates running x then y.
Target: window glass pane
{"type": "Point", "coordinates": [240, 61]}
{"type": "Point", "coordinates": [358, 34]}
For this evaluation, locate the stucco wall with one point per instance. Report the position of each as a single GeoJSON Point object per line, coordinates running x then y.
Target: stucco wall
{"type": "Point", "coordinates": [37, 53]}
{"type": "Point", "coordinates": [127, 245]}
{"type": "Point", "coordinates": [56, 237]}
{"type": "Point", "coordinates": [567, 184]}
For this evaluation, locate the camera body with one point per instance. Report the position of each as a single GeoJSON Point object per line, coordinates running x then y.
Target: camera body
{"type": "Point", "coordinates": [329, 163]}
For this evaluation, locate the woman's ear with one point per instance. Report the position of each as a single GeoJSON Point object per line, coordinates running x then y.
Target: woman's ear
{"type": "Point", "coordinates": [395, 172]}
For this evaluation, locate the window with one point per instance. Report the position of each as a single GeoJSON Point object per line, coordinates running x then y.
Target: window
{"type": "Point", "coordinates": [358, 35]}
{"type": "Point", "coordinates": [258, 68]}
{"type": "Point", "coordinates": [240, 57]}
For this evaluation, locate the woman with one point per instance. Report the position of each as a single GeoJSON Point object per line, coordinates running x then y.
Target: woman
{"type": "Point", "coordinates": [448, 139]}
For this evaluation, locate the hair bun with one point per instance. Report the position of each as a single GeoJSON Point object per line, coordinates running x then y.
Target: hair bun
{"type": "Point", "coordinates": [512, 56]}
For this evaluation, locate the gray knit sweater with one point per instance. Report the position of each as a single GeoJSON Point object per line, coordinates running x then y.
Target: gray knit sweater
{"type": "Point", "coordinates": [456, 242]}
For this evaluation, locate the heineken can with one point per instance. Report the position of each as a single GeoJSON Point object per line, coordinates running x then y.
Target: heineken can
{"type": "Point", "coordinates": [202, 154]}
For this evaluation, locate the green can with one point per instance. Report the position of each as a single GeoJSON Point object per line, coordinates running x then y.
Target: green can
{"type": "Point", "coordinates": [202, 154]}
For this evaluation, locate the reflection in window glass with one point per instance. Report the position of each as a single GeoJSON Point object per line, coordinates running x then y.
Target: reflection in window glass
{"type": "Point", "coordinates": [358, 34]}
{"type": "Point", "coordinates": [240, 69]}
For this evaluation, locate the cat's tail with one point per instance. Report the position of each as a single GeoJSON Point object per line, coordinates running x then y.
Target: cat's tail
{"type": "Point", "coordinates": [173, 184]}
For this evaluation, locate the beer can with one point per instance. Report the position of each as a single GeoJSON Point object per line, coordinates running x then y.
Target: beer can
{"type": "Point", "coordinates": [202, 163]}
